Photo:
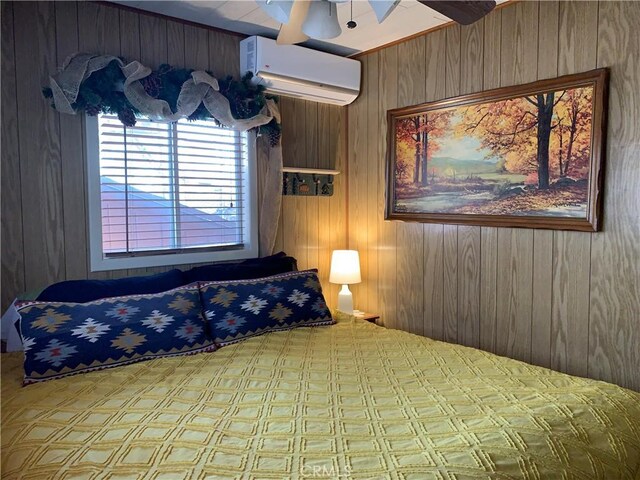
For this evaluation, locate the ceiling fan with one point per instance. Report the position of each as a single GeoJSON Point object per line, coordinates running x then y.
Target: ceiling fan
{"type": "Point", "coordinates": [304, 19]}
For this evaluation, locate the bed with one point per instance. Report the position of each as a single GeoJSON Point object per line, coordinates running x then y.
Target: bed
{"type": "Point", "coordinates": [350, 400]}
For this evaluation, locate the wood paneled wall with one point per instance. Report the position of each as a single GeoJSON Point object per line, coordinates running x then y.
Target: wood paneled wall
{"type": "Point", "coordinates": [44, 227]}
{"type": "Point", "coordinates": [569, 301]}
{"type": "Point", "coordinates": [312, 227]}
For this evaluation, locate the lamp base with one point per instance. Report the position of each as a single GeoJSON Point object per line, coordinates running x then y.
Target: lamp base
{"type": "Point", "coordinates": [345, 300]}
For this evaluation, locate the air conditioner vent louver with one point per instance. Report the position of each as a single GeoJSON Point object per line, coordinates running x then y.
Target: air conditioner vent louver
{"type": "Point", "coordinates": [251, 54]}
{"type": "Point", "coordinates": [295, 71]}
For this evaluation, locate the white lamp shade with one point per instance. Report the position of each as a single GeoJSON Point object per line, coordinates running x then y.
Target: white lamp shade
{"type": "Point", "coordinates": [345, 267]}
{"type": "Point", "coordinates": [322, 20]}
{"type": "Point", "coordinates": [383, 8]}
{"type": "Point", "coordinates": [279, 10]}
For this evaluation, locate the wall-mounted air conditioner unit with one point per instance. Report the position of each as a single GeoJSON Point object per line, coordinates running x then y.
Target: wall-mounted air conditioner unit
{"type": "Point", "coordinates": [300, 72]}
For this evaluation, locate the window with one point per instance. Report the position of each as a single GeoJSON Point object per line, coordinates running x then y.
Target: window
{"type": "Point", "coordinates": [169, 193]}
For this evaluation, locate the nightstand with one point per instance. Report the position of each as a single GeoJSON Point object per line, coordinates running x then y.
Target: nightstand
{"type": "Point", "coordinates": [369, 317]}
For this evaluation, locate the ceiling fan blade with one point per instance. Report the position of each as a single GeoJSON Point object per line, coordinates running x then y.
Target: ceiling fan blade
{"type": "Point", "coordinates": [465, 12]}
{"type": "Point", "coordinates": [383, 8]}
{"type": "Point", "coordinates": [291, 33]}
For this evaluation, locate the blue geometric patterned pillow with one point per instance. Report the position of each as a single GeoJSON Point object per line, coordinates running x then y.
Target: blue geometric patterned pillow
{"type": "Point", "coordinates": [241, 309]}
{"type": "Point", "coordinates": [62, 339]}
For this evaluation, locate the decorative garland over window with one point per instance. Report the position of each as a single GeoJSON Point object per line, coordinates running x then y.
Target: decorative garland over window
{"type": "Point", "coordinates": [106, 84]}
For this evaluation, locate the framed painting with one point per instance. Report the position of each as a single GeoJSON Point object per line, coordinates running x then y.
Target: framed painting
{"type": "Point", "coordinates": [524, 156]}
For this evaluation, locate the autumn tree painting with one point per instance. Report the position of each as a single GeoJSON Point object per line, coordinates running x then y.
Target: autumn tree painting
{"type": "Point", "coordinates": [535, 133]}
{"type": "Point", "coordinates": [421, 134]}
{"type": "Point", "coordinates": [526, 155]}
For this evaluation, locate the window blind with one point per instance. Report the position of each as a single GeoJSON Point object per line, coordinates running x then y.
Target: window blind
{"type": "Point", "coordinates": [168, 188]}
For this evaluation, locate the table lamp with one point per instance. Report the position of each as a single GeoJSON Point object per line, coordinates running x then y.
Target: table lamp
{"type": "Point", "coordinates": [345, 270]}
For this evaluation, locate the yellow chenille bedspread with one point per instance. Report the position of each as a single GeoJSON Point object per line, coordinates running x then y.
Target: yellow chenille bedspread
{"type": "Point", "coordinates": [351, 400]}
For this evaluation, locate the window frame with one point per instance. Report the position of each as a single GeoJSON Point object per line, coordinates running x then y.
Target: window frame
{"type": "Point", "coordinates": [98, 261]}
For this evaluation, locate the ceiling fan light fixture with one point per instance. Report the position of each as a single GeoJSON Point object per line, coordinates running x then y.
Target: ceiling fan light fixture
{"type": "Point", "coordinates": [383, 8]}
{"type": "Point", "coordinates": [279, 10]}
{"type": "Point", "coordinates": [322, 20]}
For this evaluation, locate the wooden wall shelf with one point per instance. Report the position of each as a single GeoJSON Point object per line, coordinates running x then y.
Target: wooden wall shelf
{"type": "Point", "coordinates": [308, 181]}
